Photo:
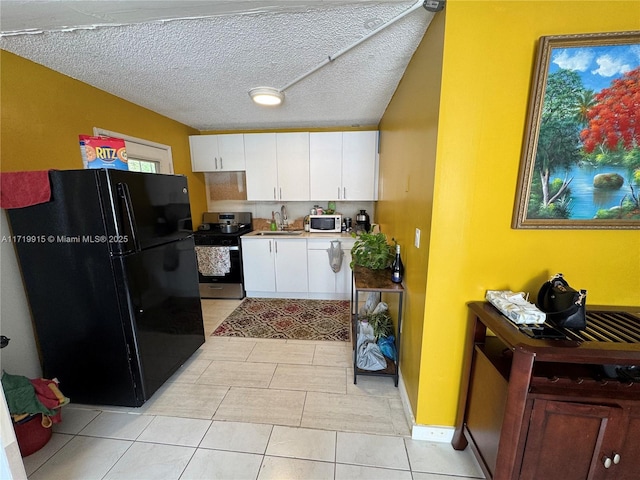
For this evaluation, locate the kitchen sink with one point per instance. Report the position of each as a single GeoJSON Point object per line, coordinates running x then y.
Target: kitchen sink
{"type": "Point", "coordinates": [289, 233]}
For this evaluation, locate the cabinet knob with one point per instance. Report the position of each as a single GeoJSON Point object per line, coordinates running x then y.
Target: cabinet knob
{"type": "Point", "coordinates": [221, 167]}
{"type": "Point", "coordinates": [616, 458]}
{"type": "Point", "coordinates": [607, 462]}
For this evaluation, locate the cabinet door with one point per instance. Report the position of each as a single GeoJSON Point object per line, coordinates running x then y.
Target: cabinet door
{"type": "Point", "coordinates": [564, 440]}
{"type": "Point", "coordinates": [231, 152]}
{"type": "Point", "coordinates": [359, 165]}
{"type": "Point", "coordinates": [325, 165]}
{"type": "Point", "coordinates": [627, 463]}
{"type": "Point", "coordinates": [204, 152]}
{"type": "Point", "coordinates": [291, 265]}
{"type": "Point", "coordinates": [293, 166]}
{"type": "Point", "coordinates": [322, 279]}
{"type": "Point", "coordinates": [258, 265]}
{"type": "Point", "coordinates": [261, 165]}
{"type": "Point", "coordinates": [343, 277]}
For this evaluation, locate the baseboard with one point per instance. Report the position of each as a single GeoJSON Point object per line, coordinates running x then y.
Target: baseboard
{"type": "Point", "coordinates": [406, 405]}
{"type": "Point", "coordinates": [429, 433]}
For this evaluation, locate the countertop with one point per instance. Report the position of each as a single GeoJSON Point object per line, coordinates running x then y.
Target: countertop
{"type": "Point", "coordinates": [306, 235]}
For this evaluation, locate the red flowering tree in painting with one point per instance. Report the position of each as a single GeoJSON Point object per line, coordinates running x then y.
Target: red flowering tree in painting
{"type": "Point", "coordinates": [614, 130]}
{"type": "Point", "coordinates": [614, 121]}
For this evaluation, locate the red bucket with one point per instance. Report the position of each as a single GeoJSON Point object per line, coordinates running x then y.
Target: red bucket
{"type": "Point", "coordinates": [32, 435]}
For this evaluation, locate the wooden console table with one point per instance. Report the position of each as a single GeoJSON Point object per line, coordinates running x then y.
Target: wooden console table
{"type": "Point", "coordinates": [367, 280]}
{"type": "Point", "coordinates": [544, 408]}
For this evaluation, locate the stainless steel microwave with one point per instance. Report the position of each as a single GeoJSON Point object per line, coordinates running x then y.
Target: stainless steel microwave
{"type": "Point", "coordinates": [325, 223]}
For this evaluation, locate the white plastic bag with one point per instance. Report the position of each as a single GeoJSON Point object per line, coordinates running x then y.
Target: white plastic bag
{"type": "Point", "coordinates": [368, 353]}
{"type": "Point", "coordinates": [335, 255]}
{"type": "Point", "coordinates": [381, 307]}
{"type": "Point", "coordinates": [365, 328]}
{"type": "Point", "coordinates": [369, 305]}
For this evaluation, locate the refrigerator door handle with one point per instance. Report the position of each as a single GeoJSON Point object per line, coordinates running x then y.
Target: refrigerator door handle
{"type": "Point", "coordinates": [125, 195]}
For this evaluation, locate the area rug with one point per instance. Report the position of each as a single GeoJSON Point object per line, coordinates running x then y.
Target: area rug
{"type": "Point", "coordinates": [288, 319]}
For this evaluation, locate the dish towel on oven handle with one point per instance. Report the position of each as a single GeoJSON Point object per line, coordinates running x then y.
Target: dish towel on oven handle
{"type": "Point", "coordinates": [515, 307]}
{"type": "Point", "coordinates": [213, 261]}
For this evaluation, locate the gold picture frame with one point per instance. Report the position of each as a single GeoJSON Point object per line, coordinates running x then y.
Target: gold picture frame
{"type": "Point", "coordinates": [580, 164]}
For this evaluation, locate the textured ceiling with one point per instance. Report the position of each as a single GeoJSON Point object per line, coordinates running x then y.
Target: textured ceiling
{"type": "Point", "coordinates": [195, 61]}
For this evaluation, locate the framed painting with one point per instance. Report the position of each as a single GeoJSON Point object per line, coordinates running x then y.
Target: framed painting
{"type": "Point", "coordinates": [580, 165]}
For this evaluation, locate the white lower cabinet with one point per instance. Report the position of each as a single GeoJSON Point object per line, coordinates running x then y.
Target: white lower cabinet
{"type": "Point", "coordinates": [323, 281]}
{"type": "Point", "coordinates": [273, 266]}
{"type": "Point", "coordinates": [258, 265]}
{"type": "Point", "coordinates": [295, 268]}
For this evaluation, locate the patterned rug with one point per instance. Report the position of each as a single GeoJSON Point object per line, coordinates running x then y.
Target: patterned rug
{"type": "Point", "coordinates": [289, 319]}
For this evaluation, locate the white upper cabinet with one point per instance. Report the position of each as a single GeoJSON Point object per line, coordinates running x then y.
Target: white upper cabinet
{"type": "Point", "coordinates": [217, 153]}
{"type": "Point", "coordinates": [299, 166]}
{"type": "Point", "coordinates": [293, 166]}
{"type": "Point", "coordinates": [360, 165]}
{"type": "Point", "coordinates": [325, 164]}
{"type": "Point", "coordinates": [262, 166]}
{"type": "Point", "coordinates": [344, 165]}
{"type": "Point", "coordinates": [277, 166]}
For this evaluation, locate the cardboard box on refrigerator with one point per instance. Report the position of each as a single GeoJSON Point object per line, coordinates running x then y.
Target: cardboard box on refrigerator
{"type": "Point", "coordinates": [103, 152]}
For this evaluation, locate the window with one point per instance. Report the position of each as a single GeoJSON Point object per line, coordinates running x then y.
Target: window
{"type": "Point", "coordinates": [143, 155]}
{"type": "Point", "coordinates": [140, 165]}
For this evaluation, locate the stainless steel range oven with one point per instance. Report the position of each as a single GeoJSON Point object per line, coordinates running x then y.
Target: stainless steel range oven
{"type": "Point", "coordinates": [218, 253]}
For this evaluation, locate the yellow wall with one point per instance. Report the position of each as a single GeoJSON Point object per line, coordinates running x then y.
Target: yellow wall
{"type": "Point", "coordinates": [489, 50]}
{"type": "Point", "coordinates": [43, 112]}
{"type": "Point", "coordinates": [409, 132]}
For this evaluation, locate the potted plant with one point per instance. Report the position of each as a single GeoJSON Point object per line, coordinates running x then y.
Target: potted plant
{"type": "Point", "coordinates": [371, 250]}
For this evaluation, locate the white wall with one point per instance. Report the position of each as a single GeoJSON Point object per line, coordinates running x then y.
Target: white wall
{"type": "Point", "coordinates": [11, 466]}
{"type": "Point", "coordinates": [20, 357]}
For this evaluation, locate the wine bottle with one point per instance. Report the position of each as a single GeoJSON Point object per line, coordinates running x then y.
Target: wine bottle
{"type": "Point", "coordinates": [397, 269]}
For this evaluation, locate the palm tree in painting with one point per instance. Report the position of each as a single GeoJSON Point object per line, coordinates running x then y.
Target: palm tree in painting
{"type": "Point", "coordinates": [586, 101]}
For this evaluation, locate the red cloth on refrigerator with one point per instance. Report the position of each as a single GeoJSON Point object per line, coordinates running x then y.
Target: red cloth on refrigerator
{"type": "Point", "coordinates": [22, 189]}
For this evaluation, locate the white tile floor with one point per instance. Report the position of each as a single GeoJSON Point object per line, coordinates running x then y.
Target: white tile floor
{"type": "Point", "coordinates": [251, 409]}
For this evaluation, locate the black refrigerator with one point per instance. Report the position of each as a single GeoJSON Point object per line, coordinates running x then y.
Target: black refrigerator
{"type": "Point", "coordinates": [110, 273]}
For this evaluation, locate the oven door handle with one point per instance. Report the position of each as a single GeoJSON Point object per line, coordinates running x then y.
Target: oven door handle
{"type": "Point", "coordinates": [236, 248]}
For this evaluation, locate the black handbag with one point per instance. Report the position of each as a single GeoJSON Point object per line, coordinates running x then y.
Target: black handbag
{"type": "Point", "coordinates": [565, 306]}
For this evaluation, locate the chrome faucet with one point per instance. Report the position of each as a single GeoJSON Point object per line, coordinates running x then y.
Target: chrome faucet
{"type": "Point", "coordinates": [283, 218]}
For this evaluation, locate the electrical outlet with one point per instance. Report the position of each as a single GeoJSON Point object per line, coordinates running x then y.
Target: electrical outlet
{"type": "Point", "coordinates": [417, 239]}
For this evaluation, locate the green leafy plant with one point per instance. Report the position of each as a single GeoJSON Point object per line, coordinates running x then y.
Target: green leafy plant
{"type": "Point", "coordinates": [381, 324]}
{"type": "Point", "coordinates": [371, 250]}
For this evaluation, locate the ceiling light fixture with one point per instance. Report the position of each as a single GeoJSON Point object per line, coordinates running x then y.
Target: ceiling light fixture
{"type": "Point", "coordinates": [273, 96]}
{"type": "Point", "coordinates": [266, 96]}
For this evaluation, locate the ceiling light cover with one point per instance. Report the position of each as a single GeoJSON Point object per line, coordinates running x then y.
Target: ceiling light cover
{"type": "Point", "coordinates": [266, 96]}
